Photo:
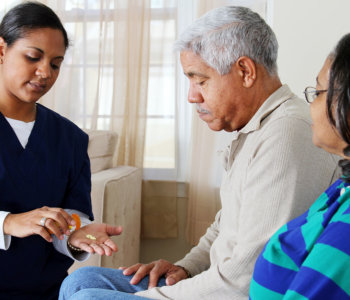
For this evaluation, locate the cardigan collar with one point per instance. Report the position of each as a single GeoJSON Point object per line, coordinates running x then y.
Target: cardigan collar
{"type": "Point", "coordinates": [277, 98]}
{"type": "Point", "coordinates": [280, 96]}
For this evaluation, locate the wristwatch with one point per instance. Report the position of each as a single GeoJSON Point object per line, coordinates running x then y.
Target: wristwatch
{"type": "Point", "coordinates": [70, 246]}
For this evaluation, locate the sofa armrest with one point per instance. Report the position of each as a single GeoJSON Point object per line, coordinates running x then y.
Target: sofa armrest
{"type": "Point", "coordinates": [122, 206]}
{"type": "Point", "coordinates": [116, 200]}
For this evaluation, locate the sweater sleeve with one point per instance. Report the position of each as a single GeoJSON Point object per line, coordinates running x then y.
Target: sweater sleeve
{"type": "Point", "coordinates": [198, 259]}
{"type": "Point", "coordinates": [5, 239]}
{"type": "Point", "coordinates": [274, 191]}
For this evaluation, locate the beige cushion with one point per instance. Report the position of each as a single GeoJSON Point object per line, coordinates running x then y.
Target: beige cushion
{"type": "Point", "coordinates": [116, 200]}
{"type": "Point", "coordinates": [102, 144]}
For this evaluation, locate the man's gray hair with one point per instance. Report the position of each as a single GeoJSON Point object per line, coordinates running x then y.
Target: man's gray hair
{"type": "Point", "coordinates": [226, 33]}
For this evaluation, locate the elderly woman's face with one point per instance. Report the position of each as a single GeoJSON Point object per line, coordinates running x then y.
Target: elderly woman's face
{"type": "Point", "coordinates": [325, 135]}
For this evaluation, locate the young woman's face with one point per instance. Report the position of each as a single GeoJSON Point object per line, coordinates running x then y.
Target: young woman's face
{"type": "Point", "coordinates": [30, 66]}
{"type": "Point", "coordinates": [325, 135]}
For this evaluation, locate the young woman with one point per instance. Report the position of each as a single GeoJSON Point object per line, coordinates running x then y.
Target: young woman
{"type": "Point", "coordinates": [44, 166]}
{"type": "Point", "coordinates": [309, 257]}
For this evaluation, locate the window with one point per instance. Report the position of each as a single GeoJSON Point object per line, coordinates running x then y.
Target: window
{"type": "Point", "coordinates": [82, 20]}
{"type": "Point", "coordinates": [160, 134]}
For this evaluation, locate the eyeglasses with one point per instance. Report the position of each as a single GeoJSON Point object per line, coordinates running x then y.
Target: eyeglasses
{"type": "Point", "coordinates": [311, 93]}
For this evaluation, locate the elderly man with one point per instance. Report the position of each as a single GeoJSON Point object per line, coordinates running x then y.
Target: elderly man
{"type": "Point", "coordinates": [272, 174]}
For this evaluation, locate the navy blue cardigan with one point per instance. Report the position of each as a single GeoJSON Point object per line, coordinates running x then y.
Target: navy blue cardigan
{"type": "Point", "coordinates": [53, 170]}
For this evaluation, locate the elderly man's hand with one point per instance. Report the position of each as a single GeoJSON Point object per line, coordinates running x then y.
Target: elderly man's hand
{"type": "Point", "coordinates": [156, 269]}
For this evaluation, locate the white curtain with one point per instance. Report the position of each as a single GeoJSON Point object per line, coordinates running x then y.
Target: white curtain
{"type": "Point", "coordinates": [104, 80]}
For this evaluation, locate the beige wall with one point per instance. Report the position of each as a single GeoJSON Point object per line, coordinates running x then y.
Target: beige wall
{"type": "Point", "coordinates": [171, 249]}
{"type": "Point", "coordinates": [307, 30]}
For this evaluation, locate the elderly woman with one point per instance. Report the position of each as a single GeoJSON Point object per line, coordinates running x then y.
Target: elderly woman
{"type": "Point", "coordinates": [309, 257]}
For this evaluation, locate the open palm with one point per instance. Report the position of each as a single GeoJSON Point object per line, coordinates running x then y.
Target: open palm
{"type": "Point", "coordinates": [95, 238]}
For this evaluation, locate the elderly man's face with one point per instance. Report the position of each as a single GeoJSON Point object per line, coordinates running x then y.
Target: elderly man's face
{"type": "Point", "coordinates": [221, 100]}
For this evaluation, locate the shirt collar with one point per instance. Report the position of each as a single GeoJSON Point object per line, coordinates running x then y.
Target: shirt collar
{"type": "Point", "coordinates": [278, 97]}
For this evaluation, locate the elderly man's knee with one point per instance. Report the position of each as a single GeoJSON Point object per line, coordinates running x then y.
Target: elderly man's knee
{"type": "Point", "coordinates": [83, 275]}
{"type": "Point", "coordinates": [83, 294]}
{"type": "Point", "coordinates": [80, 279]}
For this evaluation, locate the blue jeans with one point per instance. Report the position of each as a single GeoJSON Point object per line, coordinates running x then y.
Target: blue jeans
{"type": "Point", "coordinates": [101, 283]}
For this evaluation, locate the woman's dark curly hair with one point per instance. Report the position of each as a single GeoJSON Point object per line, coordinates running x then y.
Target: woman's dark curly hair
{"type": "Point", "coordinates": [338, 97]}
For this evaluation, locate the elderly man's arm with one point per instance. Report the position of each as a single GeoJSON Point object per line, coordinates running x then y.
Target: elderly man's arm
{"type": "Point", "coordinates": [283, 178]}
{"type": "Point", "coordinates": [198, 259]}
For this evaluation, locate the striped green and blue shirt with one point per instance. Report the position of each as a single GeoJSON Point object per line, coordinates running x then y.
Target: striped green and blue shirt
{"type": "Point", "coordinates": [309, 257]}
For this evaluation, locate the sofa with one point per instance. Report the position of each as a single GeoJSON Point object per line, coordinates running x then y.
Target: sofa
{"type": "Point", "coordinates": [116, 200]}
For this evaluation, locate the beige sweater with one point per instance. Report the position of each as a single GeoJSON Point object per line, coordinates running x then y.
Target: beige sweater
{"type": "Point", "coordinates": [273, 173]}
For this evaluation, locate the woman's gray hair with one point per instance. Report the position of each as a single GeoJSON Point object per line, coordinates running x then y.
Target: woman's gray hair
{"type": "Point", "coordinates": [226, 33]}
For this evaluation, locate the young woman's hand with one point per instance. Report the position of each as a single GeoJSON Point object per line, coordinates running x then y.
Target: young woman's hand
{"type": "Point", "coordinates": [43, 221]}
{"type": "Point", "coordinates": [95, 238]}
